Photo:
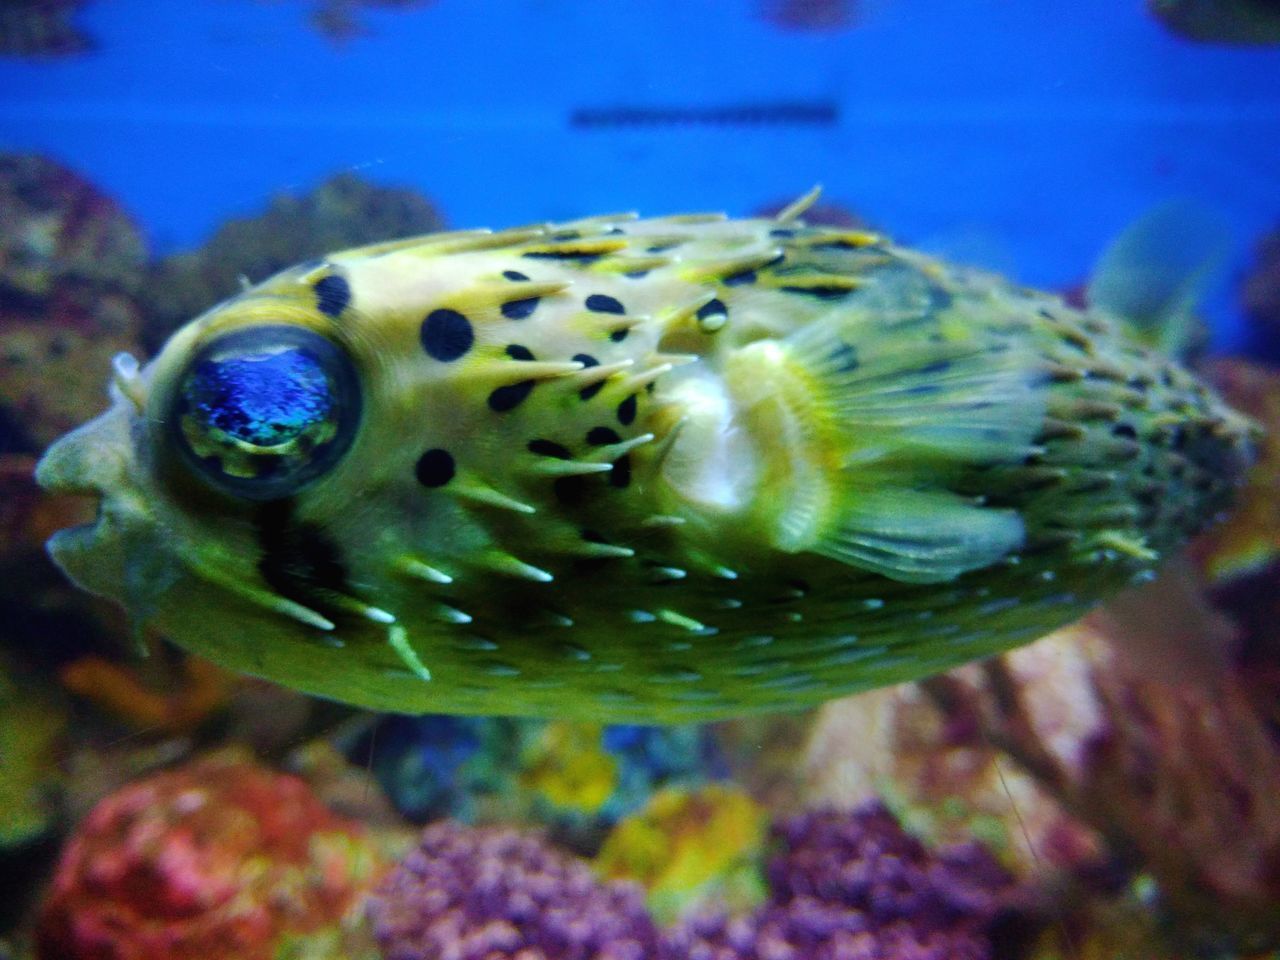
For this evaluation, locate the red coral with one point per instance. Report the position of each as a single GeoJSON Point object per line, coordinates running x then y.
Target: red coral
{"type": "Point", "coordinates": [219, 858]}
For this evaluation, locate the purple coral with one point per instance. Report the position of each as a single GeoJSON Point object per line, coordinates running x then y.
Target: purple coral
{"type": "Point", "coordinates": [856, 886]}
{"type": "Point", "coordinates": [486, 893]}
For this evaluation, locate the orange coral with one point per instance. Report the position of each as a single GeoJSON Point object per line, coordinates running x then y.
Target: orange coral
{"type": "Point", "coordinates": [120, 692]}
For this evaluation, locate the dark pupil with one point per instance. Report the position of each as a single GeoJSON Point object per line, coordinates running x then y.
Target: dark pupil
{"type": "Point", "coordinates": [262, 399]}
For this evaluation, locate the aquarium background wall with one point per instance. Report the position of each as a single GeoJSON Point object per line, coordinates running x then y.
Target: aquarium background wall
{"type": "Point", "coordinates": [1022, 134]}
{"type": "Point", "coordinates": [1111, 790]}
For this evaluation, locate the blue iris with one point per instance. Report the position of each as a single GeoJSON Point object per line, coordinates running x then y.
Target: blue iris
{"type": "Point", "coordinates": [265, 399]}
{"type": "Point", "coordinates": [263, 410]}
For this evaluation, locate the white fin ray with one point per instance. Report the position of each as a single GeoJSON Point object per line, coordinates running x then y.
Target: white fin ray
{"type": "Point", "coordinates": [920, 536]}
{"type": "Point", "coordinates": [906, 412]}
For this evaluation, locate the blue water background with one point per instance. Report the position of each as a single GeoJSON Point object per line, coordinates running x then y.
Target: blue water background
{"type": "Point", "coordinates": [1027, 132]}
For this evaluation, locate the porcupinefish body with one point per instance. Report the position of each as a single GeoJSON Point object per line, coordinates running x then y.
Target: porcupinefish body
{"type": "Point", "coordinates": [635, 470]}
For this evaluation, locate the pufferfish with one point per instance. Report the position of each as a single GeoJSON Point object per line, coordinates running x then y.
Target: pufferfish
{"type": "Point", "coordinates": [642, 470]}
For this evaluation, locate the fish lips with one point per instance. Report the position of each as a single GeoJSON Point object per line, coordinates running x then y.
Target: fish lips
{"type": "Point", "coordinates": [116, 554]}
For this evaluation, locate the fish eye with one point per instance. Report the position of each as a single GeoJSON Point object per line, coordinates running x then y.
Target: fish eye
{"type": "Point", "coordinates": [261, 412]}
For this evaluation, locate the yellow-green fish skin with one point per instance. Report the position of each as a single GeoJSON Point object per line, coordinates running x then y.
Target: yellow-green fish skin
{"type": "Point", "coordinates": [653, 470]}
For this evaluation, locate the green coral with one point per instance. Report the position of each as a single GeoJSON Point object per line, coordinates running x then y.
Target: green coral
{"type": "Point", "coordinates": [31, 724]}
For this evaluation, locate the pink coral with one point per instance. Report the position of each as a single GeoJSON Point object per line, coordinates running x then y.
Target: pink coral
{"type": "Point", "coordinates": [220, 858]}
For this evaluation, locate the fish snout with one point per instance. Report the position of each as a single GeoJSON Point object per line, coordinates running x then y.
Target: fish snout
{"type": "Point", "coordinates": [97, 460]}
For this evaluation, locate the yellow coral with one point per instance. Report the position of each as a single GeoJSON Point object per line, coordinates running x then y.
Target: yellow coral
{"type": "Point", "coordinates": [683, 844]}
{"type": "Point", "coordinates": [568, 767]}
{"type": "Point", "coordinates": [1250, 539]}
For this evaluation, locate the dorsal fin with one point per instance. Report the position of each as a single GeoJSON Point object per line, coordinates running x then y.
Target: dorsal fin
{"type": "Point", "coordinates": [1156, 271]}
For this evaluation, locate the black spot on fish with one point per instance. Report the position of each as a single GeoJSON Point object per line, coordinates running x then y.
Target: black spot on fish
{"type": "Point", "coordinates": [333, 294]}
{"type": "Point", "coordinates": [602, 437]}
{"type": "Point", "coordinates": [636, 274]}
{"type": "Point", "coordinates": [741, 277]}
{"type": "Point", "coordinates": [570, 253]}
{"type": "Point", "coordinates": [620, 334]}
{"type": "Point", "coordinates": [520, 309]}
{"type": "Point", "coordinates": [939, 299]}
{"type": "Point", "coordinates": [505, 399]}
{"type": "Point", "coordinates": [713, 308]}
{"type": "Point", "coordinates": [569, 491]}
{"type": "Point", "coordinates": [517, 351]}
{"type": "Point", "coordinates": [938, 366]}
{"type": "Point", "coordinates": [566, 235]}
{"type": "Point", "coordinates": [435, 468]}
{"type": "Point", "coordinates": [446, 335]}
{"type": "Point", "coordinates": [819, 291]}
{"type": "Point", "coordinates": [549, 448]}
{"type": "Point", "coordinates": [620, 475]}
{"type": "Point", "coordinates": [587, 392]}
{"type": "Point", "coordinates": [602, 303]}
{"type": "Point", "coordinates": [514, 275]}
{"type": "Point", "coordinates": [627, 410]}
{"type": "Point", "coordinates": [781, 232]}
{"type": "Point", "coordinates": [298, 560]}
{"type": "Point", "coordinates": [1125, 430]}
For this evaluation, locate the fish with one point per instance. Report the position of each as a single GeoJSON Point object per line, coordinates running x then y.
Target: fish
{"type": "Point", "coordinates": [658, 470]}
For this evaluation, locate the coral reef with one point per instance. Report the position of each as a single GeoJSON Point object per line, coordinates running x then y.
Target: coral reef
{"type": "Point", "coordinates": [41, 28]}
{"type": "Point", "coordinates": [844, 886]}
{"type": "Point", "coordinates": [218, 858]}
{"type": "Point", "coordinates": [576, 779]}
{"type": "Point", "coordinates": [1165, 757]}
{"type": "Point", "coordinates": [935, 768]}
{"type": "Point", "coordinates": [582, 777]}
{"type": "Point", "coordinates": [688, 847]}
{"type": "Point", "coordinates": [199, 691]}
{"type": "Point", "coordinates": [70, 264]}
{"type": "Point", "coordinates": [856, 886]}
{"type": "Point", "coordinates": [436, 766]}
{"type": "Point", "coordinates": [344, 211]}
{"type": "Point", "coordinates": [487, 894]}
{"type": "Point", "coordinates": [1249, 540]}
{"type": "Point", "coordinates": [33, 722]}
{"type": "Point", "coordinates": [568, 768]}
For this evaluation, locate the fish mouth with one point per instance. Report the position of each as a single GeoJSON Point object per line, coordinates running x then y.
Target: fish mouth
{"type": "Point", "coordinates": [94, 463]}
{"type": "Point", "coordinates": [75, 548]}
{"type": "Point", "coordinates": [83, 496]}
